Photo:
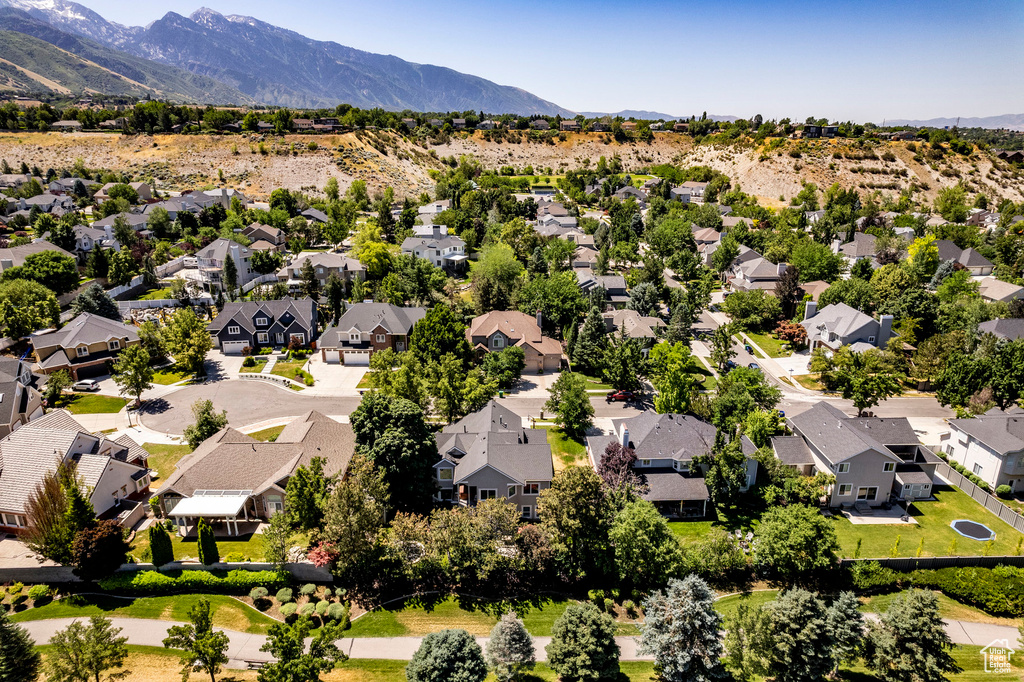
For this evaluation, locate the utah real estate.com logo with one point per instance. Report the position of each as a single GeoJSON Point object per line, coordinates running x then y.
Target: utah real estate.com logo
{"type": "Point", "coordinates": [997, 656]}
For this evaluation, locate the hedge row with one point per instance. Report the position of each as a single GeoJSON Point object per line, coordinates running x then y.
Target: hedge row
{"type": "Point", "coordinates": [172, 582]}
{"type": "Point", "coordinates": [998, 591]}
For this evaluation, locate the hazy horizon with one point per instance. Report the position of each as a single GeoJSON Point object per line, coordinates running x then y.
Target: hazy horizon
{"type": "Point", "coordinates": [861, 61]}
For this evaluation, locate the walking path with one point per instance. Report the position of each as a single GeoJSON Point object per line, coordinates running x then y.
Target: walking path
{"type": "Point", "coordinates": [246, 647]}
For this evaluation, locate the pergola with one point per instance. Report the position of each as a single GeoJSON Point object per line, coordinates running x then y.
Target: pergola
{"type": "Point", "coordinates": [223, 505]}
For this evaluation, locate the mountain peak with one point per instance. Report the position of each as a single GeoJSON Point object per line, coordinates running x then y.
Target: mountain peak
{"type": "Point", "coordinates": [206, 16]}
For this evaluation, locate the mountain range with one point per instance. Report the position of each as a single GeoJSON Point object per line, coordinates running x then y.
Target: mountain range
{"type": "Point", "coordinates": [265, 63]}
{"type": "Point", "coordinates": [1007, 121]}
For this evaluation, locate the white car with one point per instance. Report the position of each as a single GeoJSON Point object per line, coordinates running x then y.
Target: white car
{"type": "Point", "coordinates": [86, 385]}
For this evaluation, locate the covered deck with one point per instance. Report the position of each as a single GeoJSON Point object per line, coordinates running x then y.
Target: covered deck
{"type": "Point", "coordinates": [213, 505]}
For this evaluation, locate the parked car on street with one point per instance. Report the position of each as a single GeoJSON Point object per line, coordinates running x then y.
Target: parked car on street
{"type": "Point", "coordinates": [754, 365]}
{"type": "Point", "coordinates": [621, 396]}
{"type": "Point", "coordinates": [86, 385]}
{"type": "Point", "coordinates": [747, 347]}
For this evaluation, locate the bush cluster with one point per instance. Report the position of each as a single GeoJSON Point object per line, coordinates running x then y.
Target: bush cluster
{"type": "Point", "coordinates": [172, 582]}
{"type": "Point", "coordinates": [970, 476]}
{"type": "Point", "coordinates": [998, 591]}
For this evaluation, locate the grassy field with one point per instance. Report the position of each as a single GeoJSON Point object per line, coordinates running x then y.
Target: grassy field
{"type": "Point", "coordinates": [769, 344]}
{"type": "Point", "coordinates": [933, 519]}
{"type": "Point", "coordinates": [227, 612]}
{"type": "Point", "coordinates": [170, 375]}
{"type": "Point", "coordinates": [596, 383]}
{"type": "Point", "coordinates": [90, 403]}
{"type": "Point", "coordinates": [565, 451]}
{"type": "Point", "coordinates": [727, 606]}
{"type": "Point", "coordinates": [268, 435]}
{"type": "Point", "coordinates": [163, 457]}
{"type": "Point", "coordinates": [809, 381]}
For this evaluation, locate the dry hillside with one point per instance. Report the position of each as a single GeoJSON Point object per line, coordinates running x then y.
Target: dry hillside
{"type": "Point", "coordinates": [773, 172]}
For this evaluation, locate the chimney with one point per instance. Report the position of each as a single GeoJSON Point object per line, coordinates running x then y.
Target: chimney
{"type": "Point", "coordinates": [782, 268]}
{"type": "Point", "coordinates": [835, 245]}
{"type": "Point", "coordinates": [884, 330]}
{"type": "Point", "coordinates": [624, 438]}
{"type": "Point", "coordinates": [437, 231]}
{"type": "Point", "coordinates": [540, 319]}
{"type": "Point", "coordinates": [810, 310]}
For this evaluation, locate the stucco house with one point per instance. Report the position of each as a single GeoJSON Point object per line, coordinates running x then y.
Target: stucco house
{"type": "Point", "coordinates": [500, 329]}
{"type": "Point", "coordinates": [324, 265]}
{"type": "Point", "coordinates": [366, 328]}
{"type": "Point", "coordinates": [84, 347]}
{"type": "Point", "coordinates": [444, 251]}
{"type": "Point", "coordinates": [259, 324]}
{"type": "Point", "coordinates": [991, 446]}
{"type": "Point", "coordinates": [20, 401]}
{"type": "Point", "coordinates": [211, 258]}
{"type": "Point", "coordinates": [489, 455]}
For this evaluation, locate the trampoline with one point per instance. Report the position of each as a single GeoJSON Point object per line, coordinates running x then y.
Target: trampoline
{"type": "Point", "coordinates": [972, 530]}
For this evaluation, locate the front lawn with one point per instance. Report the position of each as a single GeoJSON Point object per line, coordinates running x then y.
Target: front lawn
{"type": "Point", "coordinates": [291, 370]}
{"type": "Point", "coordinates": [932, 534]}
{"type": "Point", "coordinates": [171, 374]}
{"type": "Point", "coordinates": [90, 403]}
{"type": "Point", "coordinates": [596, 383]}
{"type": "Point", "coordinates": [268, 435]}
{"type": "Point", "coordinates": [260, 362]}
{"type": "Point", "coordinates": [770, 345]}
{"type": "Point", "coordinates": [809, 381]}
{"type": "Point", "coordinates": [227, 612]}
{"type": "Point", "coordinates": [163, 457]}
{"type": "Point", "coordinates": [565, 451]}
{"type": "Point", "coordinates": [364, 383]}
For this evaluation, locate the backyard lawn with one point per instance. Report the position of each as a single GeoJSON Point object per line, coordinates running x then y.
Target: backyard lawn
{"type": "Point", "coordinates": [83, 403]}
{"type": "Point", "coordinates": [170, 375]}
{"type": "Point", "coordinates": [163, 457]}
{"type": "Point", "coordinates": [933, 519]}
{"type": "Point", "coordinates": [227, 612]}
{"type": "Point", "coordinates": [156, 295]}
{"type": "Point", "coordinates": [268, 435]}
{"type": "Point", "coordinates": [565, 451]}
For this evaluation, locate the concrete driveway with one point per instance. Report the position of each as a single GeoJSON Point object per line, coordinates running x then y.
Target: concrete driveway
{"type": "Point", "coordinates": [332, 379]}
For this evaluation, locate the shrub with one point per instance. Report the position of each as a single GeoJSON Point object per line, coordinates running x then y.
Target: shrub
{"type": "Point", "coordinates": [998, 591]}
{"type": "Point", "coordinates": [327, 593]}
{"type": "Point", "coordinates": [248, 362]}
{"type": "Point", "coordinates": [284, 595]}
{"type": "Point", "coordinates": [337, 612]}
{"type": "Point", "coordinates": [597, 597]}
{"type": "Point", "coordinates": [609, 606]}
{"type": "Point", "coordinates": [258, 593]}
{"type": "Point", "coordinates": [321, 608]}
{"type": "Point", "coordinates": [288, 610]}
{"type": "Point", "coordinates": [246, 350]}
{"type": "Point", "coordinates": [871, 575]}
{"type": "Point", "coordinates": [307, 589]}
{"type": "Point", "coordinates": [308, 381]}
{"type": "Point", "coordinates": [237, 581]}
{"type": "Point", "coordinates": [38, 592]}
{"type": "Point", "coordinates": [630, 608]}
{"type": "Point", "coordinates": [307, 609]}
{"type": "Point", "coordinates": [235, 557]}
{"type": "Point", "coordinates": [1004, 491]}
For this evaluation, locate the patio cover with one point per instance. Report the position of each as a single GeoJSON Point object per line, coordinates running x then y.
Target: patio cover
{"type": "Point", "coordinates": [227, 505]}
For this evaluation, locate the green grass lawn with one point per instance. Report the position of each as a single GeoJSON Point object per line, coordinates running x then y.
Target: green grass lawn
{"type": "Point", "coordinates": [727, 606]}
{"type": "Point", "coordinates": [565, 451]}
{"type": "Point", "coordinates": [287, 369]}
{"type": "Point", "coordinates": [933, 519]}
{"type": "Point", "coordinates": [227, 612]}
{"type": "Point", "coordinates": [247, 548]}
{"type": "Point", "coordinates": [769, 344]}
{"type": "Point", "coordinates": [364, 383]}
{"type": "Point", "coordinates": [690, 531]}
{"type": "Point", "coordinates": [91, 403]}
{"type": "Point", "coordinates": [170, 375]}
{"type": "Point", "coordinates": [596, 383]}
{"type": "Point", "coordinates": [268, 435]}
{"type": "Point", "coordinates": [163, 457]}
{"type": "Point", "coordinates": [261, 362]}
{"type": "Point", "coordinates": [156, 295]}
{"type": "Point", "coordinates": [948, 608]}
{"type": "Point", "coordinates": [809, 381]}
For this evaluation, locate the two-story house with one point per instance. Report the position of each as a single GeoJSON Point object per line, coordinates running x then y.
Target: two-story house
{"type": "Point", "coordinates": [20, 402]}
{"type": "Point", "coordinates": [976, 264]}
{"type": "Point", "coordinates": [614, 286]}
{"type": "Point", "coordinates": [366, 328]}
{"type": "Point", "coordinates": [690, 192]}
{"type": "Point", "coordinates": [258, 232]}
{"type": "Point", "coordinates": [838, 325]}
{"type": "Point", "coordinates": [991, 446]}
{"type": "Point", "coordinates": [324, 265]}
{"type": "Point", "coordinates": [210, 261]}
{"type": "Point", "coordinates": [84, 347]}
{"type": "Point", "coordinates": [488, 455]}
{"type": "Point", "coordinates": [873, 459]}
{"type": "Point", "coordinates": [259, 324]}
{"type": "Point", "coordinates": [501, 329]}
{"type": "Point", "coordinates": [86, 238]}
{"type": "Point", "coordinates": [114, 473]}
{"type": "Point", "coordinates": [756, 273]}
{"type": "Point", "coordinates": [15, 256]}
{"type": "Point", "coordinates": [634, 325]}
{"type": "Point", "coordinates": [444, 251]}
{"type": "Point", "coordinates": [136, 221]}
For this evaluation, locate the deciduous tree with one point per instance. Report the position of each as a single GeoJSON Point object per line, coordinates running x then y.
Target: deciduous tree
{"type": "Point", "coordinates": [131, 371]}
{"type": "Point", "coordinates": [203, 650]}
{"type": "Point", "coordinates": [292, 661]}
{"type": "Point", "coordinates": [207, 422]}
{"type": "Point", "coordinates": [575, 515]}
{"type": "Point", "coordinates": [87, 652]}
{"type": "Point", "coordinates": [794, 543]}
{"type": "Point", "coordinates": [569, 401]}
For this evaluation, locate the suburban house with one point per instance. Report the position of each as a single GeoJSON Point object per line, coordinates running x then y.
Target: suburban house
{"type": "Point", "coordinates": [991, 446]}
{"type": "Point", "coordinates": [614, 286]}
{"type": "Point", "coordinates": [978, 265]}
{"type": "Point", "coordinates": [20, 402]}
{"type": "Point", "coordinates": [705, 236]}
{"type": "Point", "coordinates": [488, 455]}
{"type": "Point", "coordinates": [314, 215]}
{"type": "Point", "coordinates": [814, 289]}
{"type": "Point", "coordinates": [143, 189]}
{"type": "Point", "coordinates": [16, 255]}
{"type": "Point", "coordinates": [86, 238]}
{"type": "Point", "coordinates": [186, 203]}
{"type": "Point", "coordinates": [690, 192]}
{"type": "Point", "coordinates": [366, 328]}
{"type": "Point", "coordinates": [861, 247]}
{"type": "Point", "coordinates": [258, 232]}
{"type": "Point", "coordinates": [666, 446]}
{"type": "Point", "coordinates": [1007, 329]}
{"type": "Point", "coordinates": [259, 324]}
{"type": "Point", "coordinates": [585, 257]}
{"type": "Point", "coordinates": [444, 251]}
{"type": "Point", "coordinates": [569, 126]}
{"type": "Point", "coordinates": [838, 325]}
{"type": "Point", "coordinates": [233, 478]}
{"type": "Point", "coordinates": [873, 458]}
{"type": "Point", "coordinates": [992, 289]}
{"type": "Point", "coordinates": [324, 265]}
{"type": "Point", "coordinates": [136, 221]}
{"type": "Point", "coordinates": [84, 347]}
{"type": "Point", "coordinates": [755, 273]}
{"type": "Point", "coordinates": [633, 324]}
{"type": "Point", "coordinates": [630, 192]}
{"type": "Point", "coordinates": [210, 261]}
{"type": "Point", "coordinates": [223, 196]}
{"type": "Point", "coordinates": [500, 329]}
{"type": "Point", "coordinates": [114, 472]}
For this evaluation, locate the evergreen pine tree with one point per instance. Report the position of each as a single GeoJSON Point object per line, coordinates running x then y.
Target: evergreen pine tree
{"type": "Point", "coordinates": [538, 265]}
{"type": "Point", "coordinates": [310, 284]}
{"type": "Point", "coordinates": [845, 624]}
{"type": "Point", "coordinates": [19, 659]}
{"type": "Point", "coordinates": [160, 545]}
{"type": "Point", "coordinates": [510, 649]}
{"type": "Point", "coordinates": [80, 513]}
{"type": "Point", "coordinates": [681, 630]}
{"type": "Point", "coordinates": [679, 325]}
{"type": "Point", "coordinates": [230, 276]}
{"type": "Point", "coordinates": [208, 553]}
{"type": "Point", "coordinates": [591, 342]}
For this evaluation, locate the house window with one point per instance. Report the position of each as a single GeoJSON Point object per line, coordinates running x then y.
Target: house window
{"type": "Point", "coordinates": [844, 467]}
{"type": "Point", "coordinates": [527, 512]}
{"type": "Point", "coordinates": [977, 470]}
{"type": "Point", "coordinates": [444, 474]}
{"type": "Point", "coordinates": [889, 467]}
{"type": "Point", "coordinates": [681, 466]}
{"type": "Point", "coordinates": [114, 344]}
{"type": "Point", "coordinates": [867, 493]}
{"type": "Point", "coordinates": [488, 494]}
{"type": "Point", "coordinates": [511, 491]}
{"type": "Point", "coordinates": [499, 342]}
{"type": "Point", "coordinates": [871, 339]}
{"type": "Point", "coordinates": [645, 462]}
{"type": "Point", "coordinates": [319, 271]}
{"type": "Point", "coordinates": [845, 490]}
{"type": "Point", "coordinates": [531, 488]}
{"type": "Point", "coordinates": [263, 337]}
{"type": "Point", "coordinates": [82, 351]}
{"type": "Point", "coordinates": [949, 450]}
{"type": "Point", "coordinates": [261, 322]}
{"type": "Point", "coordinates": [353, 337]}
{"type": "Point", "coordinates": [380, 338]}
{"type": "Point", "coordinates": [234, 329]}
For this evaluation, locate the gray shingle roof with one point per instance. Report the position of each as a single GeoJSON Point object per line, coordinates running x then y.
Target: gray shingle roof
{"type": "Point", "coordinates": [26, 455]}
{"type": "Point", "coordinates": [1010, 329]}
{"type": "Point", "coordinates": [242, 313]}
{"type": "Point", "coordinates": [219, 248]}
{"type": "Point", "coordinates": [838, 437]}
{"type": "Point", "coordinates": [839, 318]}
{"type": "Point", "coordinates": [792, 450]}
{"type": "Point", "coordinates": [666, 485]}
{"type": "Point", "coordinates": [663, 436]}
{"type": "Point", "coordinates": [18, 254]}
{"type": "Point", "coordinates": [88, 329]}
{"type": "Point", "coordinates": [367, 316]}
{"type": "Point", "coordinates": [1000, 431]}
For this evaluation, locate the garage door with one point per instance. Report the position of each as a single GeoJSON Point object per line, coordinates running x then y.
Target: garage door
{"type": "Point", "coordinates": [353, 358]}
{"type": "Point", "coordinates": [234, 347]}
{"type": "Point", "coordinates": [332, 357]}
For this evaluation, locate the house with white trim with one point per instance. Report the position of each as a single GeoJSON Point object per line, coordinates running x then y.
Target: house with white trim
{"type": "Point", "coordinates": [990, 446]}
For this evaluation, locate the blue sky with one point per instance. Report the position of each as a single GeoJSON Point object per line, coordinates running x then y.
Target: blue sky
{"type": "Point", "coordinates": [865, 61]}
